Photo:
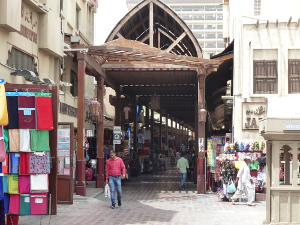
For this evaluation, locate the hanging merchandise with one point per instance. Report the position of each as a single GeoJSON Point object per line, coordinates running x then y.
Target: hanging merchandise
{"type": "Point", "coordinates": [12, 108]}
{"type": "Point", "coordinates": [25, 140]}
{"type": "Point", "coordinates": [39, 140]}
{"type": "Point", "coordinates": [3, 108]}
{"type": "Point", "coordinates": [44, 114]}
{"type": "Point", "coordinates": [26, 110]}
{"type": "Point", "coordinates": [14, 140]}
{"type": "Point", "coordinates": [2, 145]}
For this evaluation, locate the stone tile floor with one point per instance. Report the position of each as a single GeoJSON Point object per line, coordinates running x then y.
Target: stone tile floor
{"type": "Point", "coordinates": [152, 199]}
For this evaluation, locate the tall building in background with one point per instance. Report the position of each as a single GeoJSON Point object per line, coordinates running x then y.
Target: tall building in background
{"type": "Point", "coordinates": [205, 19]}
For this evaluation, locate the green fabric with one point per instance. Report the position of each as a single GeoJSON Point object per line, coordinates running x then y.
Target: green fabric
{"type": "Point", "coordinates": [182, 164]}
{"type": "Point", "coordinates": [42, 94]}
{"type": "Point", "coordinates": [13, 184]}
{"type": "Point", "coordinates": [254, 165]}
{"type": "Point", "coordinates": [39, 140]}
{"type": "Point", "coordinates": [5, 135]}
{"type": "Point", "coordinates": [25, 204]}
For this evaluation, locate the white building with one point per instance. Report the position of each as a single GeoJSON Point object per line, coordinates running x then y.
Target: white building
{"type": "Point", "coordinates": [266, 91]}
{"type": "Point", "coordinates": [204, 18]}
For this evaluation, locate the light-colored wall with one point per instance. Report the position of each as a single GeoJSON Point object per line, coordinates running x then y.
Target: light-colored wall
{"type": "Point", "coordinates": [263, 43]}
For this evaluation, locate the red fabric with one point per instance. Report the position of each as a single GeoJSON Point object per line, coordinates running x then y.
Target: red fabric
{"type": "Point", "coordinates": [2, 146]}
{"type": "Point", "coordinates": [90, 174]}
{"type": "Point", "coordinates": [14, 204]}
{"type": "Point", "coordinates": [26, 117]}
{"type": "Point", "coordinates": [24, 163]}
{"type": "Point", "coordinates": [115, 167]}
{"type": "Point", "coordinates": [24, 184]}
{"type": "Point", "coordinates": [38, 203]}
{"type": "Point", "coordinates": [5, 165]}
{"type": "Point", "coordinates": [44, 113]}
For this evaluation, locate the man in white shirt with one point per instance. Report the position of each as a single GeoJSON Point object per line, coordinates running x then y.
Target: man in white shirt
{"type": "Point", "coordinates": [245, 184]}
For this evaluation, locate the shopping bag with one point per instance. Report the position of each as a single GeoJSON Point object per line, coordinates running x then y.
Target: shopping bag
{"type": "Point", "coordinates": [3, 108]}
{"type": "Point", "coordinates": [230, 187]}
{"type": "Point", "coordinates": [107, 191]}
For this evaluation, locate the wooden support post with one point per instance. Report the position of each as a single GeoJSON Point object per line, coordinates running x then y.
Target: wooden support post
{"type": "Point", "coordinates": [80, 165]}
{"type": "Point", "coordinates": [151, 24]}
{"type": "Point", "coordinates": [152, 129]}
{"type": "Point", "coordinates": [100, 135]}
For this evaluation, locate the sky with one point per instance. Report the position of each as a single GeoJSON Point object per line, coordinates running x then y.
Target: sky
{"type": "Point", "coordinates": [109, 13]}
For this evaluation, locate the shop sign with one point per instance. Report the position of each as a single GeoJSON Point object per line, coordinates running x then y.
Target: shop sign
{"type": "Point", "coordinates": [291, 125]}
{"type": "Point", "coordinates": [29, 23]}
{"type": "Point", "coordinates": [117, 135]}
{"type": "Point", "coordinates": [252, 113]}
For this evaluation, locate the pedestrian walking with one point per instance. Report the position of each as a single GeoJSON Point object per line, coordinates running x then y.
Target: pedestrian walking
{"type": "Point", "coordinates": [182, 167]}
{"type": "Point", "coordinates": [115, 171]}
{"type": "Point", "coordinates": [245, 184]}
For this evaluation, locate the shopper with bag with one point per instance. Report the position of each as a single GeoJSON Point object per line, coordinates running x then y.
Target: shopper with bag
{"type": "Point", "coordinates": [115, 171]}
{"type": "Point", "coordinates": [245, 184]}
{"type": "Point", "coordinates": [182, 166]}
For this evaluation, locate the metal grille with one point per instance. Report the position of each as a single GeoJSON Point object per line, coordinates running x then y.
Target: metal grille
{"type": "Point", "coordinates": [265, 78]}
{"type": "Point", "coordinates": [294, 76]}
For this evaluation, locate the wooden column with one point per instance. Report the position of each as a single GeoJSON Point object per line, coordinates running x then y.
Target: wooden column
{"type": "Point", "coordinates": [147, 116]}
{"type": "Point", "coordinates": [201, 138]}
{"type": "Point", "coordinates": [167, 131]}
{"type": "Point", "coordinates": [100, 135]}
{"type": "Point", "coordinates": [152, 129]}
{"type": "Point", "coordinates": [151, 24]}
{"type": "Point", "coordinates": [80, 165]}
{"type": "Point", "coordinates": [118, 114]}
{"type": "Point", "coordinates": [135, 122]}
{"type": "Point", "coordinates": [171, 127]}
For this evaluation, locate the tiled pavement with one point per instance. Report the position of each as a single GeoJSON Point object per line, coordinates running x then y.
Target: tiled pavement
{"type": "Point", "coordinates": [153, 199]}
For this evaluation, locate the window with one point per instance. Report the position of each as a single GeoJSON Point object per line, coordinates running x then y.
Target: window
{"type": "Point", "coordinates": [210, 35]}
{"type": "Point", "coordinates": [220, 26]}
{"type": "Point", "coordinates": [220, 35]}
{"type": "Point", "coordinates": [210, 16]}
{"type": "Point", "coordinates": [210, 26]}
{"type": "Point", "coordinates": [198, 17]}
{"type": "Point", "coordinates": [21, 61]}
{"type": "Point", "coordinates": [265, 77]}
{"type": "Point", "coordinates": [219, 16]}
{"type": "Point", "coordinates": [220, 45]}
{"type": "Point", "coordinates": [77, 17]}
{"type": "Point", "coordinates": [210, 45]}
{"type": "Point", "coordinates": [257, 4]}
{"type": "Point", "coordinates": [210, 8]}
{"type": "Point", "coordinates": [74, 81]}
{"type": "Point", "coordinates": [198, 26]}
{"type": "Point", "coordinates": [294, 76]}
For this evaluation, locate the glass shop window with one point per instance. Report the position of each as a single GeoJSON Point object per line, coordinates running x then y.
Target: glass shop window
{"type": "Point", "coordinates": [286, 166]}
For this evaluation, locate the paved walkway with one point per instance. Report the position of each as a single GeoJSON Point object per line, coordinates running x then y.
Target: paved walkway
{"type": "Point", "coordinates": [153, 199]}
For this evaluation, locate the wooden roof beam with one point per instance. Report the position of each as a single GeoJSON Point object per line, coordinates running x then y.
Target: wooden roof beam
{"type": "Point", "coordinates": [176, 42]}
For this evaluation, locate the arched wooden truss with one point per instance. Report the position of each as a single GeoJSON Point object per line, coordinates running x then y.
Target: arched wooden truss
{"type": "Point", "coordinates": [154, 23]}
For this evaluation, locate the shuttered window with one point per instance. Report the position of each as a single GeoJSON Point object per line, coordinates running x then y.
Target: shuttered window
{"type": "Point", "coordinates": [265, 77]}
{"type": "Point", "coordinates": [294, 76]}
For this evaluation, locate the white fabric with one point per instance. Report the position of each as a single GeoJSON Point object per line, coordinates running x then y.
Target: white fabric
{"type": "Point", "coordinates": [39, 182]}
{"type": "Point", "coordinates": [140, 137]}
{"type": "Point", "coordinates": [147, 134]}
{"type": "Point", "coordinates": [244, 184]}
{"type": "Point", "coordinates": [25, 140]}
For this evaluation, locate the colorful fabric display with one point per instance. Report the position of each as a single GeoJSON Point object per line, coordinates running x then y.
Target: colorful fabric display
{"type": "Point", "coordinates": [6, 203]}
{"type": "Point", "coordinates": [39, 140]}
{"type": "Point", "coordinates": [238, 164]}
{"type": "Point", "coordinates": [3, 108]}
{"type": "Point", "coordinates": [24, 163]}
{"type": "Point", "coordinates": [25, 140]}
{"type": "Point", "coordinates": [14, 162]}
{"type": "Point", "coordinates": [39, 183]}
{"type": "Point", "coordinates": [25, 204]}
{"type": "Point", "coordinates": [2, 145]}
{"type": "Point", "coordinates": [6, 139]}
{"type": "Point", "coordinates": [5, 164]}
{"type": "Point", "coordinates": [44, 114]}
{"type": "Point", "coordinates": [14, 204]}
{"type": "Point", "coordinates": [5, 183]}
{"type": "Point", "coordinates": [1, 184]}
{"type": "Point", "coordinates": [39, 162]}
{"type": "Point", "coordinates": [13, 184]}
{"type": "Point", "coordinates": [38, 203]}
{"type": "Point", "coordinates": [26, 110]}
{"type": "Point", "coordinates": [24, 184]}
{"type": "Point", "coordinates": [12, 108]}
{"type": "Point", "coordinates": [14, 140]}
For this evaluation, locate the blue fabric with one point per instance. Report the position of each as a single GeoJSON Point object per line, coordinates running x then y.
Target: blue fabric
{"type": "Point", "coordinates": [6, 203]}
{"type": "Point", "coordinates": [1, 183]}
{"type": "Point", "coordinates": [138, 112]}
{"type": "Point", "coordinates": [115, 185]}
{"type": "Point", "coordinates": [183, 178]}
{"type": "Point", "coordinates": [14, 163]}
{"type": "Point", "coordinates": [5, 183]}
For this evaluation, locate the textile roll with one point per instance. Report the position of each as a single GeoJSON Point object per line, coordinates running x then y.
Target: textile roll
{"type": "Point", "coordinates": [38, 203]}
{"type": "Point", "coordinates": [39, 140]}
{"type": "Point", "coordinates": [14, 140]}
{"type": "Point", "coordinates": [25, 140]}
{"type": "Point", "coordinates": [44, 113]}
{"type": "Point", "coordinates": [39, 183]}
{"type": "Point", "coordinates": [1, 184]}
{"type": "Point", "coordinates": [3, 108]}
{"type": "Point", "coordinates": [13, 184]}
{"type": "Point", "coordinates": [26, 111]}
{"type": "Point", "coordinates": [6, 139]}
{"type": "Point", "coordinates": [14, 204]}
{"type": "Point", "coordinates": [14, 162]}
{"type": "Point", "coordinates": [25, 204]}
{"type": "Point", "coordinates": [24, 184]}
{"type": "Point", "coordinates": [39, 162]}
{"type": "Point", "coordinates": [6, 203]}
{"type": "Point", "coordinates": [2, 145]}
{"type": "Point", "coordinates": [12, 108]}
{"type": "Point", "coordinates": [24, 163]}
{"type": "Point", "coordinates": [5, 183]}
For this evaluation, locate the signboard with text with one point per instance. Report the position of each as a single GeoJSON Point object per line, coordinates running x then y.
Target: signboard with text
{"type": "Point", "coordinates": [252, 113]}
{"type": "Point", "coordinates": [117, 135]}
